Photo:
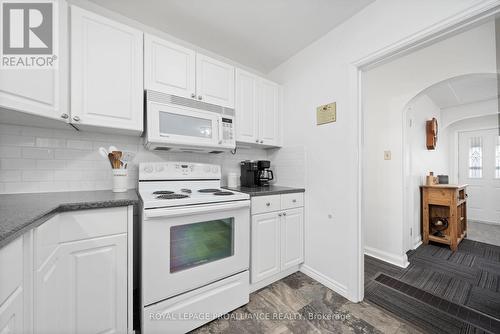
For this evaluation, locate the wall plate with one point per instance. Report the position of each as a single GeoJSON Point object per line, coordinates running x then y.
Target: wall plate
{"type": "Point", "coordinates": [326, 113]}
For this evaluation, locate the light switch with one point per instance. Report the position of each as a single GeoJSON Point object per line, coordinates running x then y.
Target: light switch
{"type": "Point", "coordinates": [387, 155]}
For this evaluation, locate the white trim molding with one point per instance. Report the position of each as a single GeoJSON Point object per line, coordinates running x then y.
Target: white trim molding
{"type": "Point", "coordinates": [327, 281]}
{"type": "Point", "coordinates": [397, 260]}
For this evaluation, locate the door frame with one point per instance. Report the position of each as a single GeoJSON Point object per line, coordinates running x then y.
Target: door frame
{"type": "Point", "coordinates": [474, 15]}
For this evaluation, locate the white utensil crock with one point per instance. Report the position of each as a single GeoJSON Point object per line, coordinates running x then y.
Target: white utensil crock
{"type": "Point", "coordinates": [232, 180]}
{"type": "Point", "coordinates": [120, 178]}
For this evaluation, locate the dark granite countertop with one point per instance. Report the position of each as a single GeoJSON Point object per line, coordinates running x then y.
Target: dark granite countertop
{"type": "Point", "coordinates": [265, 191]}
{"type": "Point", "coordinates": [22, 212]}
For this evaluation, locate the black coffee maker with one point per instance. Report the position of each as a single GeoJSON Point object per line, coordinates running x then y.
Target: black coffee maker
{"type": "Point", "coordinates": [255, 173]}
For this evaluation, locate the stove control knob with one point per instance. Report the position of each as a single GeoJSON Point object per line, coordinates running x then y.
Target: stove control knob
{"type": "Point", "coordinates": [215, 169]}
{"type": "Point", "coordinates": [191, 168]}
{"type": "Point", "coordinates": [148, 169]}
{"type": "Point", "coordinates": [207, 169]}
{"type": "Point", "coordinates": [159, 168]}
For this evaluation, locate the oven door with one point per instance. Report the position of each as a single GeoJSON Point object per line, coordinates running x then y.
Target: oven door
{"type": "Point", "coordinates": [184, 248]}
{"type": "Point", "coordinates": [181, 125]}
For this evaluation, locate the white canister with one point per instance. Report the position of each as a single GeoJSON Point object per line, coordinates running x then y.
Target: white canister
{"type": "Point", "coordinates": [120, 180]}
{"type": "Point", "coordinates": [232, 180]}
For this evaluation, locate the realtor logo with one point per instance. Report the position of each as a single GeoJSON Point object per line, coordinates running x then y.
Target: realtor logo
{"type": "Point", "coordinates": [27, 34]}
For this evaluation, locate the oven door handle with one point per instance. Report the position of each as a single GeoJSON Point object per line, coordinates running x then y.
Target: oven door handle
{"type": "Point", "coordinates": [194, 209]}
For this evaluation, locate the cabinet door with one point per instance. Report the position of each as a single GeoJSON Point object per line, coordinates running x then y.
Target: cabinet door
{"type": "Point", "coordinates": [269, 115]}
{"type": "Point", "coordinates": [265, 260]}
{"type": "Point", "coordinates": [106, 72]}
{"type": "Point", "coordinates": [214, 81]}
{"type": "Point", "coordinates": [11, 288]}
{"type": "Point", "coordinates": [82, 287]}
{"type": "Point", "coordinates": [292, 238]}
{"type": "Point", "coordinates": [11, 313]}
{"type": "Point", "coordinates": [169, 68]}
{"type": "Point", "coordinates": [246, 119]}
{"type": "Point", "coordinates": [41, 92]}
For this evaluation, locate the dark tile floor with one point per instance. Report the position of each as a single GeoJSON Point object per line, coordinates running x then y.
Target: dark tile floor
{"type": "Point", "coordinates": [298, 304]}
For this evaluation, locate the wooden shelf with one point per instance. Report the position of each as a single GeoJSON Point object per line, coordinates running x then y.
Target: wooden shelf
{"type": "Point", "coordinates": [446, 201]}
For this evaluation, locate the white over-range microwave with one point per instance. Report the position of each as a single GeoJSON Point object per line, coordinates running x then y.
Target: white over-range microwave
{"type": "Point", "coordinates": [179, 124]}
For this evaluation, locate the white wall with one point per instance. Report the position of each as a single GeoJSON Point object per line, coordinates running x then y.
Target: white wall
{"type": "Point", "coordinates": [44, 160]}
{"type": "Point", "coordinates": [421, 160]}
{"type": "Point", "coordinates": [320, 74]}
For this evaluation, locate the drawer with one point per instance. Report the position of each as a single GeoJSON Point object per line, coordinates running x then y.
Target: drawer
{"type": "Point", "coordinates": [440, 196]}
{"type": "Point", "coordinates": [11, 264]}
{"type": "Point", "coordinates": [294, 200]}
{"type": "Point", "coordinates": [179, 314]}
{"type": "Point", "coordinates": [262, 204]}
{"type": "Point", "coordinates": [78, 225]}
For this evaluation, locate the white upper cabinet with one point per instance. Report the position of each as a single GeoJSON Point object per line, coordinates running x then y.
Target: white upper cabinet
{"type": "Point", "coordinates": [41, 92]}
{"type": "Point", "coordinates": [258, 110]}
{"type": "Point", "coordinates": [106, 72]}
{"type": "Point", "coordinates": [214, 81]}
{"type": "Point", "coordinates": [269, 113]}
{"type": "Point", "coordinates": [176, 70]}
{"type": "Point", "coordinates": [246, 107]}
{"type": "Point", "coordinates": [169, 68]}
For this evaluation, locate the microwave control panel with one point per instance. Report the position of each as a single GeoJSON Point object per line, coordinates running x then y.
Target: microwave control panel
{"type": "Point", "coordinates": [227, 137]}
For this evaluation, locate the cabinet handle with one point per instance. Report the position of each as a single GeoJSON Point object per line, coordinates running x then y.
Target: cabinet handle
{"type": "Point", "coordinates": [279, 214]}
{"type": "Point", "coordinates": [193, 95]}
{"type": "Point", "coordinates": [284, 213]}
{"type": "Point", "coordinates": [64, 116]}
{"type": "Point", "coordinates": [262, 142]}
{"type": "Point", "coordinates": [268, 204]}
{"type": "Point", "coordinates": [76, 119]}
{"type": "Point", "coordinates": [256, 140]}
{"type": "Point", "coordinates": [294, 201]}
{"type": "Point", "coordinates": [200, 97]}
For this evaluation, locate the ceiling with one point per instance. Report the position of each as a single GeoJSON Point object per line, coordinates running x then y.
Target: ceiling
{"type": "Point", "coordinates": [260, 34]}
{"type": "Point", "coordinates": [464, 90]}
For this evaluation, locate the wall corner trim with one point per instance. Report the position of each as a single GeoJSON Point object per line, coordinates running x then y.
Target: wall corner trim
{"type": "Point", "coordinates": [328, 282]}
{"type": "Point", "coordinates": [397, 260]}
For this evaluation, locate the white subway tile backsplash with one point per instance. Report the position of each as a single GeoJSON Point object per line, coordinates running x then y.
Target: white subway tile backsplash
{"type": "Point", "coordinates": [10, 139]}
{"type": "Point", "coordinates": [50, 142]}
{"type": "Point", "coordinates": [79, 144]}
{"type": "Point", "coordinates": [10, 175]}
{"type": "Point", "coordinates": [44, 160]}
{"type": "Point", "coordinates": [10, 152]}
{"type": "Point", "coordinates": [17, 164]}
{"type": "Point", "coordinates": [37, 153]}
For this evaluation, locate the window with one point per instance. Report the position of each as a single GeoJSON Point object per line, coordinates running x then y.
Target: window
{"type": "Point", "coordinates": [497, 159]}
{"type": "Point", "coordinates": [195, 244]}
{"type": "Point", "coordinates": [476, 158]}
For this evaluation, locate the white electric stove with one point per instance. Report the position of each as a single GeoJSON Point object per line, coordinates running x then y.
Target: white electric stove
{"type": "Point", "coordinates": [195, 246]}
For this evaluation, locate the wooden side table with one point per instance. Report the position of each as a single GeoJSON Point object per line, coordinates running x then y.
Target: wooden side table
{"type": "Point", "coordinates": [445, 201]}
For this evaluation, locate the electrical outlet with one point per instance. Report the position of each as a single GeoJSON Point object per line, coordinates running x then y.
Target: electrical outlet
{"type": "Point", "coordinates": [387, 155]}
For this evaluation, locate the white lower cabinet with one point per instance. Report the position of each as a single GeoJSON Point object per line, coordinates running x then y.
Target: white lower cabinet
{"type": "Point", "coordinates": [81, 272]}
{"type": "Point", "coordinates": [265, 245]}
{"type": "Point", "coordinates": [11, 288]}
{"type": "Point", "coordinates": [72, 274]}
{"type": "Point", "coordinates": [277, 237]}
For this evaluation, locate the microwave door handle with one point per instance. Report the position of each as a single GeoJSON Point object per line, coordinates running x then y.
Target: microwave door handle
{"type": "Point", "coordinates": [194, 210]}
{"type": "Point", "coordinates": [221, 135]}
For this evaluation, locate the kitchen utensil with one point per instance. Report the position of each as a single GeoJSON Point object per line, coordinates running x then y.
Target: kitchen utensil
{"type": "Point", "coordinates": [116, 159]}
{"type": "Point", "coordinates": [112, 148]}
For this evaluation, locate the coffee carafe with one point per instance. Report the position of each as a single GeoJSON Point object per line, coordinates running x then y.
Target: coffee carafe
{"type": "Point", "coordinates": [264, 174]}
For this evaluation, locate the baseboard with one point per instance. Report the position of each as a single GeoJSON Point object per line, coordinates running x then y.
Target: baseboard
{"type": "Point", "coordinates": [400, 261]}
{"type": "Point", "coordinates": [417, 242]}
{"type": "Point", "coordinates": [326, 281]}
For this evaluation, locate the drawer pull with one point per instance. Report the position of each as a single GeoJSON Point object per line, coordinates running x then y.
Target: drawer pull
{"type": "Point", "coordinates": [294, 201]}
{"type": "Point", "coordinates": [284, 213]}
{"type": "Point", "coordinates": [268, 204]}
